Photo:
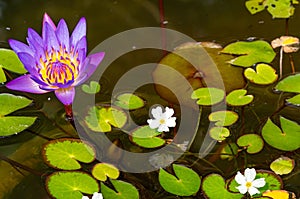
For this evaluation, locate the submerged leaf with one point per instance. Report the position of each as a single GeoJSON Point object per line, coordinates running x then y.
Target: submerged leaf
{"type": "Point", "coordinates": [250, 53]}
{"type": "Point", "coordinates": [208, 96]}
{"type": "Point", "coordinates": [231, 149]}
{"type": "Point", "coordinates": [124, 190]}
{"type": "Point", "coordinates": [263, 75]}
{"type": "Point", "coordinates": [282, 165]}
{"type": "Point", "coordinates": [129, 101]}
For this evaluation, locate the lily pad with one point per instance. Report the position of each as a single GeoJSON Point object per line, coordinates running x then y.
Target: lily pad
{"type": "Point", "coordinates": [10, 125]}
{"type": "Point", "coordinates": [273, 182]}
{"type": "Point", "coordinates": [65, 153]}
{"type": "Point", "coordinates": [252, 142]}
{"type": "Point", "coordinates": [223, 118]}
{"type": "Point", "coordinates": [146, 137]}
{"type": "Point", "coordinates": [213, 186]}
{"type": "Point", "coordinates": [93, 88]}
{"type": "Point", "coordinates": [185, 183]}
{"type": "Point", "coordinates": [263, 75]}
{"type": "Point", "coordinates": [123, 190]}
{"type": "Point", "coordinates": [10, 61]}
{"type": "Point", "coordinates": [103, 170]}
{"type": "Point", "coordinates": [280, 194]}
{"type": "Point", "coordinates": [282, 165]}
{"type": "Point", "coordinates": [286, 139]}
{"type": "Point", "coordinates": [289, 84]}
{"type": "Point", "coordinates": [250, 52]}
{"type": "Point", "coordinates": [219, 133]}
{"type": "Point", "coordinates": [101, 119]}
{"type": "Point", "coordinates": [239, 98]}
{"type": "Point", "coordinates": [70, 185]}
{"type": "Point", "coordinates": [231, 149]}
{"type": "Point", "coordinates": [294, 100]}
{"type": "Point", "coordinates": [208, 96]}
{"type": "Point", "coordinates": [129, 101]}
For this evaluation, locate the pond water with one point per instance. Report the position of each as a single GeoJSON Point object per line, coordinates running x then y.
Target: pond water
{"type": "Point", "coordinates": [218, 21]}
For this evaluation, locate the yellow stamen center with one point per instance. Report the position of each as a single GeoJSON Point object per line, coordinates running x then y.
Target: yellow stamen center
{"type": "Point", "coordinates": [248, 184]}
{"type": "Point", "coordinates": [162, 121]}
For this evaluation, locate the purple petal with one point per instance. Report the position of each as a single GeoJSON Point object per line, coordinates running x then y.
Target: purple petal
{"type": "Point", "coordinates": [36, 44]}
{"type": "Point", "coordinates": [78, 32]}
{"type": "Point", "coordinates": [50, 41]}
{"type": "Point", "coordinates": [20, 47]}
{"type": "Point", "coordinates": [66, 96]}
{"type": "Point", "coordinates": [89, 66]}
{"type": "Point", "coordinates": [47, 20]}
{"type": "Point", "coordinates": [62, 34]}
{"type": "Point", "coordinates": [81, 45]}
{"type": "Point", "coordinates": [29, 63]}
{"type": "Point", "coordinates": [26, 84]}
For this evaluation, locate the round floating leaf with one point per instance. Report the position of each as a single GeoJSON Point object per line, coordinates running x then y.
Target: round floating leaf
{"type": "Point", "coordinates": [250, 53]}
{"type": "Point", "coordinates": [289, 84]}
{"type": "Point", "coordinates": [213, 186]}
{"type": "Point", "coordinates": [282, 165]}
{"type": "Point", "coordinates": [273, 182]}
{"type": "Point", "coordinates": [254, 6]}
{"type": "Point", "coordinates": [208, 96]}
{"type": "Point", "coordinates": [124, 190]}
{"type": "Point", "coordinates": [65, 153]}
{"type": "Point", "coordinates": [10, 103]}
{"type": "Point", "coordinates": [219, 133]}
{"type": "Point", "coordinates": [253, 142]}
{"type": "Point", "coordinates": [279, 194]}
{"type": "Point", "coordinates": [287, 139]}
{"type": "Point", "coordinates": [239, 98]}
{"type": "Point", "coordinates": [70, 185]}
{"type": "Point", "coordinates": [263, 75]}
{"type": "Point", "coordinates": [230, 149]}
{"type": "Point", "coordinates": [294, 100]}
{"type": "Point", "coordinates": [146, 137]}
{"type": "Point", "coordinates": [11, 125]}
{"type": "Point", "coordinates": [100, 119]}
{"type": "Point", "coordinates": [223, 118]}
{"type": "Point", "coordinates": [129, 101]}
{"type": "Point", "coordinates": [185, 183]}
{"type": "Point", "coordinates": [103, 170]}
{"type": "Point", "coordinates": [280, 9]}
{"type": "Point", "coordinates": [93, 88]}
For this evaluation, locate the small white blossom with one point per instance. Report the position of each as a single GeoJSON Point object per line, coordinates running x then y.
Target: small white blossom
{"type": "Point", "coordinates": [162, 120]}
{"type": "Point", "coordinates": [95, 196]}
{"type": "Point", "coordinates": [247, 182]}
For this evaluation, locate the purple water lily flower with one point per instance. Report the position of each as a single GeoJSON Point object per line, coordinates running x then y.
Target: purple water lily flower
{"type": "Point", "coordinates": [55, 62]}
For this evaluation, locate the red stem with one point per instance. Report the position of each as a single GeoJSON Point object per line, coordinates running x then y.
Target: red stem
{"type": "Point", "coordinates": [69, 112]}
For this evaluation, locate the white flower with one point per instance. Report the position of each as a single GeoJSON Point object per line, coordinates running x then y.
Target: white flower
{"type": "Point", "coordinates": [247, 182]}
{"type": "Point", "coordinates": [162, 120]}
{"type": "Point", "coordinates": [95, 196]}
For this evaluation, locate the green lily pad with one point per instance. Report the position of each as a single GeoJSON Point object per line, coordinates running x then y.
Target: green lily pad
{"type": "Point", "coordinates": [10, 125]}
{"type": "Point", "coordinates": [231, 149]}
{"type": "Point", "coordinates": [103, 170]}
{"type": "Point", "coordinates": [208, 96]}
{"type": "Point", "coordinates": [70, 185]}
{"type": "Point", "coordinates": [253, 142]}
{"type": "Point", "coordinates": [255, 6]}
{"type": "Point", "coordinates": [294, 100]}
{"type": "Point", "coordinates": [93, 88]}
{"type": "Point", "coordinates": [65, 153]}
{"type": "Point", "coordinates": [273, 182]}
{"type": "Point", "coordinates": [213, 186]}
{"type": "Point", "coordinates": [283, 165]}
{"type": "Point", "coordinates": [239, 98]}
{"type": "Point", "coordinates": [146, 137]}
{"type": "Point", "coordinates": [250, 52]}
{"type": "Point", "coordinates": [223, 118]}
{"type": "Point", "coordinates": [287, 138]}
{"type": "Point", "coordinates": [10, 61]}
{"type": "Point", "coordinates": [263, 75]}
{"type": "Point", "coordinates": [185, 183]}
{"type": "Point", "coordinates": [101, 119]}
{"type": "Point", "coordinates": [124, 190]}
{"type": "Point", "coordinates": [289, 84]}
{"type": "Point", "coordinates": [219, 133]}
{"type": "Point", "coordinates": [129, 101]}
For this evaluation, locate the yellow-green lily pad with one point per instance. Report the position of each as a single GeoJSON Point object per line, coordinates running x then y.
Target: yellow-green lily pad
{"type": "Point", "coordinates": [93, 88]}
{"type": "Point", "coordinates": [129, 101]}
{"type": "Point", "coordinates": [208, 96]}
{"type": "Point", "coordinates": [103, 170]}
{"type": "Point", "coordinates": [289, 84]}
{"type": "Point", "coordinates": [252, 142]}
{"type": "Point", "coordinates": [263, 75]}
{"type": "Point", "coordinates": [146, 137]}
{"type": "Point", "coordinates": [219, 133]}
{"type": "Point", "coordinates": [239, 98]}
{"type": "Point", "coordinates": [282, 165]}
{"type": "Point", "coordinates": [223, 118]}
{"type": "Point", "coordinates": [294, 100]}
{"type": "Point", "coordinates": [123, 190]}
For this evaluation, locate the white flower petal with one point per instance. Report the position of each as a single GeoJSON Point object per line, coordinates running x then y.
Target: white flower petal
{"type": "Point", "coordinates": [153, 124]}
{"type": "Point", "coordinates": [168, 112]}
{"type": "Point", "coordinates": [250, 174]}
{"type": "Point", "coordinates": [259, 183]}
{"type": "Point", "coordinates": [252, 191]}
{"type": "Point", "coordinates": [157, 112]}
{"type": "Point", "coordinates": [171, 122]}
{"type": "Point", "coordinates": [97, 196]}
{"type": "Point", "coordinates": [242, 189]}
{"type": "Point", "coordinates": [240, 179]}
{"type": "Point", "coordinates": [163, 128]}
{"type": "Point", "coordinates": [85, 197]}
